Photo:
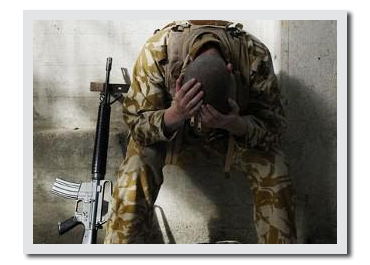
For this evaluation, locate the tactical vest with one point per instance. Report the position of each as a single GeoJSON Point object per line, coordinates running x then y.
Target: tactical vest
{"type": "Point", "coordinates": [233, 42]}
{"type": "Point", "coordinates": [233, 45]}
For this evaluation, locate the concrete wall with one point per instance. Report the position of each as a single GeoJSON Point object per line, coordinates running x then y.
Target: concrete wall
{"type": "Point", "coordinates": [308, 82]}
{"type": "Point", "coordinates": [70, 54]}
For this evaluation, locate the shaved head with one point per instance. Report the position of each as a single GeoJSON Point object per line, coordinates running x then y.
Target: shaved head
{"type": "Point", "coordinates": [210, 70]}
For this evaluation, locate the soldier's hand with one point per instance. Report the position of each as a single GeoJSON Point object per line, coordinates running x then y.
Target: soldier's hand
{"type": "Point", "coordinates": [231, 122]}
{"type": "Point", "coordinates": [187, 101]}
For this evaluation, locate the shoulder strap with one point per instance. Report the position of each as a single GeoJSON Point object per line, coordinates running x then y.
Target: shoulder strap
{"type": "Point", "coordinates": [175, 54]}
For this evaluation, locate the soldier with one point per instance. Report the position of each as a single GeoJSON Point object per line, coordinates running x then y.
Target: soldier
{"type": "Point", "coordinates": [204, 85]}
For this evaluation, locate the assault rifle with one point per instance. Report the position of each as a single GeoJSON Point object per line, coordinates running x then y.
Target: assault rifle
{"type": "Point", "coordinates": [91, 194]}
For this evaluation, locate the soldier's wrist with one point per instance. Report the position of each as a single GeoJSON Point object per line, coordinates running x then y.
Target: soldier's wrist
{"type": "Point", "coordinates": [172, 120]}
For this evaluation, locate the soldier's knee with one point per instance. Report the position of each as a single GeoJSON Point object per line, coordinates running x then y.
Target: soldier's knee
{"type": "Point", "coordinates": [154, 155]}
{"type": "Point", "coordinates": [149, 159]}
{"type": "Point", "coordinates": [270, 164]}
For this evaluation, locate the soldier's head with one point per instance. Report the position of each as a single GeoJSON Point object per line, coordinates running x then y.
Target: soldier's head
{"type": "Point", "coordinates": [209, 68]}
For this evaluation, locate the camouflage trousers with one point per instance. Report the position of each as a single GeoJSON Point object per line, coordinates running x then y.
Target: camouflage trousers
{"type": "Point", "coordinates": [140, 177]}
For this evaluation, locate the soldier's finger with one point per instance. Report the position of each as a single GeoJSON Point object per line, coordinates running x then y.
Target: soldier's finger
{"type": "Point", "coordinates": [179, 82]}
{"type": "Point", "coordinates": [214, 112]}
{"type": "Point", "coordinates": [195, 100]}
{"type": "Point", "coordinates": [191, 93]}
{"type": "Point", "coordinates": [205, 115]}
{"type": "Point", "coordinates": [204, 119]}
{"type": "Point", "coordinates": [186, 87]}
{"type": "Point", "coordinates": [234, 106]}
{"type": "Point", "coordinates": [196, 108]}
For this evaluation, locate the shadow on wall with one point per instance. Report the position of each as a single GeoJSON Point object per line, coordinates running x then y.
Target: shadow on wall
{"type": "Point", "coordinates": [311, 145]}
{"type": "Point", "coordinates": [227, 204]}
{"type": "Point", "coordinates": [51, 110]}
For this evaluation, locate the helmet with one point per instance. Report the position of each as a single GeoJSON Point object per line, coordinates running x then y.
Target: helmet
{"type": "Point", "coordinates": [210, 70]}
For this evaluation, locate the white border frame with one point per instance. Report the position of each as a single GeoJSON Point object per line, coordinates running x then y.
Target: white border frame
{"type": "Point", "coordinates": [339, 15]}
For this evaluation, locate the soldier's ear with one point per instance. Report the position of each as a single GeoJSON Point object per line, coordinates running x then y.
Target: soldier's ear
{"type": "Point", "coordinates": [229, 67]}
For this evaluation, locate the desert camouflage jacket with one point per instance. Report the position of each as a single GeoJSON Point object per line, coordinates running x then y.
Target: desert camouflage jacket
{"type": "Point", "coordinates": [148, 97]}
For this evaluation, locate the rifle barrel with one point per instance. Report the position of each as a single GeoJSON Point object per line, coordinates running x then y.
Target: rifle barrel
{"type": "Point", "coordinates": [99, 160]}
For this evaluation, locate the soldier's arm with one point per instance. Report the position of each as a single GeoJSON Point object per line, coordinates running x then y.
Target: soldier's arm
{"type": "Point", "coordinates": [265, 120]}
{"type": "Point", "coordinates": [147, 98]}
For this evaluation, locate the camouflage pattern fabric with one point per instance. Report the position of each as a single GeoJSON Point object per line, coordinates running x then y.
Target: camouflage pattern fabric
{"type": "Point", "coordinates": [257, 153]}
{"type": "Point", "coordinates": [273, 194]}
{"type": "Point", "coordinates": [134, 194]}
